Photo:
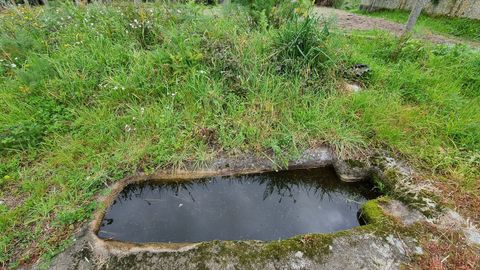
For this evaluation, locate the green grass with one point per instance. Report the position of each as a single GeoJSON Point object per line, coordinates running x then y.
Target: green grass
{"type": "Point", "coordinates": [468, 29]}
{"type": "Point", "coordinates": [89, 95]}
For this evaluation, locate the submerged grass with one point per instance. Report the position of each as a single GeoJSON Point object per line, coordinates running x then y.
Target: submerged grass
{"type": "Point", "coordinates": [91, 94]}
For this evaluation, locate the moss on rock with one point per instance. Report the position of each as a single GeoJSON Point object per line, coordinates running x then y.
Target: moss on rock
{"type": "Point", "coordinates": [372, 212]}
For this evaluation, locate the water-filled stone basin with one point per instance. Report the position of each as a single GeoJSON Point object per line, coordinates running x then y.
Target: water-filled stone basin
{"type": "Point", "coordinates": [266, 206]}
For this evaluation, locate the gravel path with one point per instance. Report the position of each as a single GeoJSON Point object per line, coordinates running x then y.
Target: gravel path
{"type": "Point", "coordinates": [347, 20]}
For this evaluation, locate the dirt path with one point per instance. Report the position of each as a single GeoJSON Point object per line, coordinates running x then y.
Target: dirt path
{"type": "Point", "coordinates": [347, 20]}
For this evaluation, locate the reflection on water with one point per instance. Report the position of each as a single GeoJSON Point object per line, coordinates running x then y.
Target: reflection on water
{"type": "Point", "coordinates": [266, 206]}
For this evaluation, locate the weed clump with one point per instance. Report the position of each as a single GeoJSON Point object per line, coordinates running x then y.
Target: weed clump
{"type": "Point", "coordinates": [274, 13]}
{"type": "Point", "coordinates": [301, 48]}
{"type": "Point", "coordinates": [224, 59]}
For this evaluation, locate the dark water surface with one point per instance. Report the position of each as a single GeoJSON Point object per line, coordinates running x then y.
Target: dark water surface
{"type": "Point", "coordinates": [267, 206]}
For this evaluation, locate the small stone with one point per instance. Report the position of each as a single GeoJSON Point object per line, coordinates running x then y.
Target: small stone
{"type": "Point", "coordinates": [419, 250]}
{"type": "Point", "coordinates": [299, 254]}
{"type": "Point", "coordinates": [352, 87]}
{"type": "Point", "coordinates": [473, 236]}
{"type": "Point", "coordinates": [358, 71]}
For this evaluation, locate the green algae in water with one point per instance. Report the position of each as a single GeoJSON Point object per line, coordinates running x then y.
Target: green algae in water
{"type": "Point", "coordinates": [268, 206]}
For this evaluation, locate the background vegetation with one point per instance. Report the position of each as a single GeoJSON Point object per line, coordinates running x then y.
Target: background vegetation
{"type": "Point", "coordinates": [454, 26]}
{"type": "Point", "coordinates": [91, 94]}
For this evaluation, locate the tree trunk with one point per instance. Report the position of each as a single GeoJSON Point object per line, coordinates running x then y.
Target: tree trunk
{"type": "Point", "coordinates": [372, 6]}
{"type": "Point", "coordinates": [414, 14]}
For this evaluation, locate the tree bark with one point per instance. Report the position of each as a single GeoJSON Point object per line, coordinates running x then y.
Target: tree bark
{"type": "Point", "coordinates": [414, 14]}
{"type": "Point", "coordinates": [372, 6]}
